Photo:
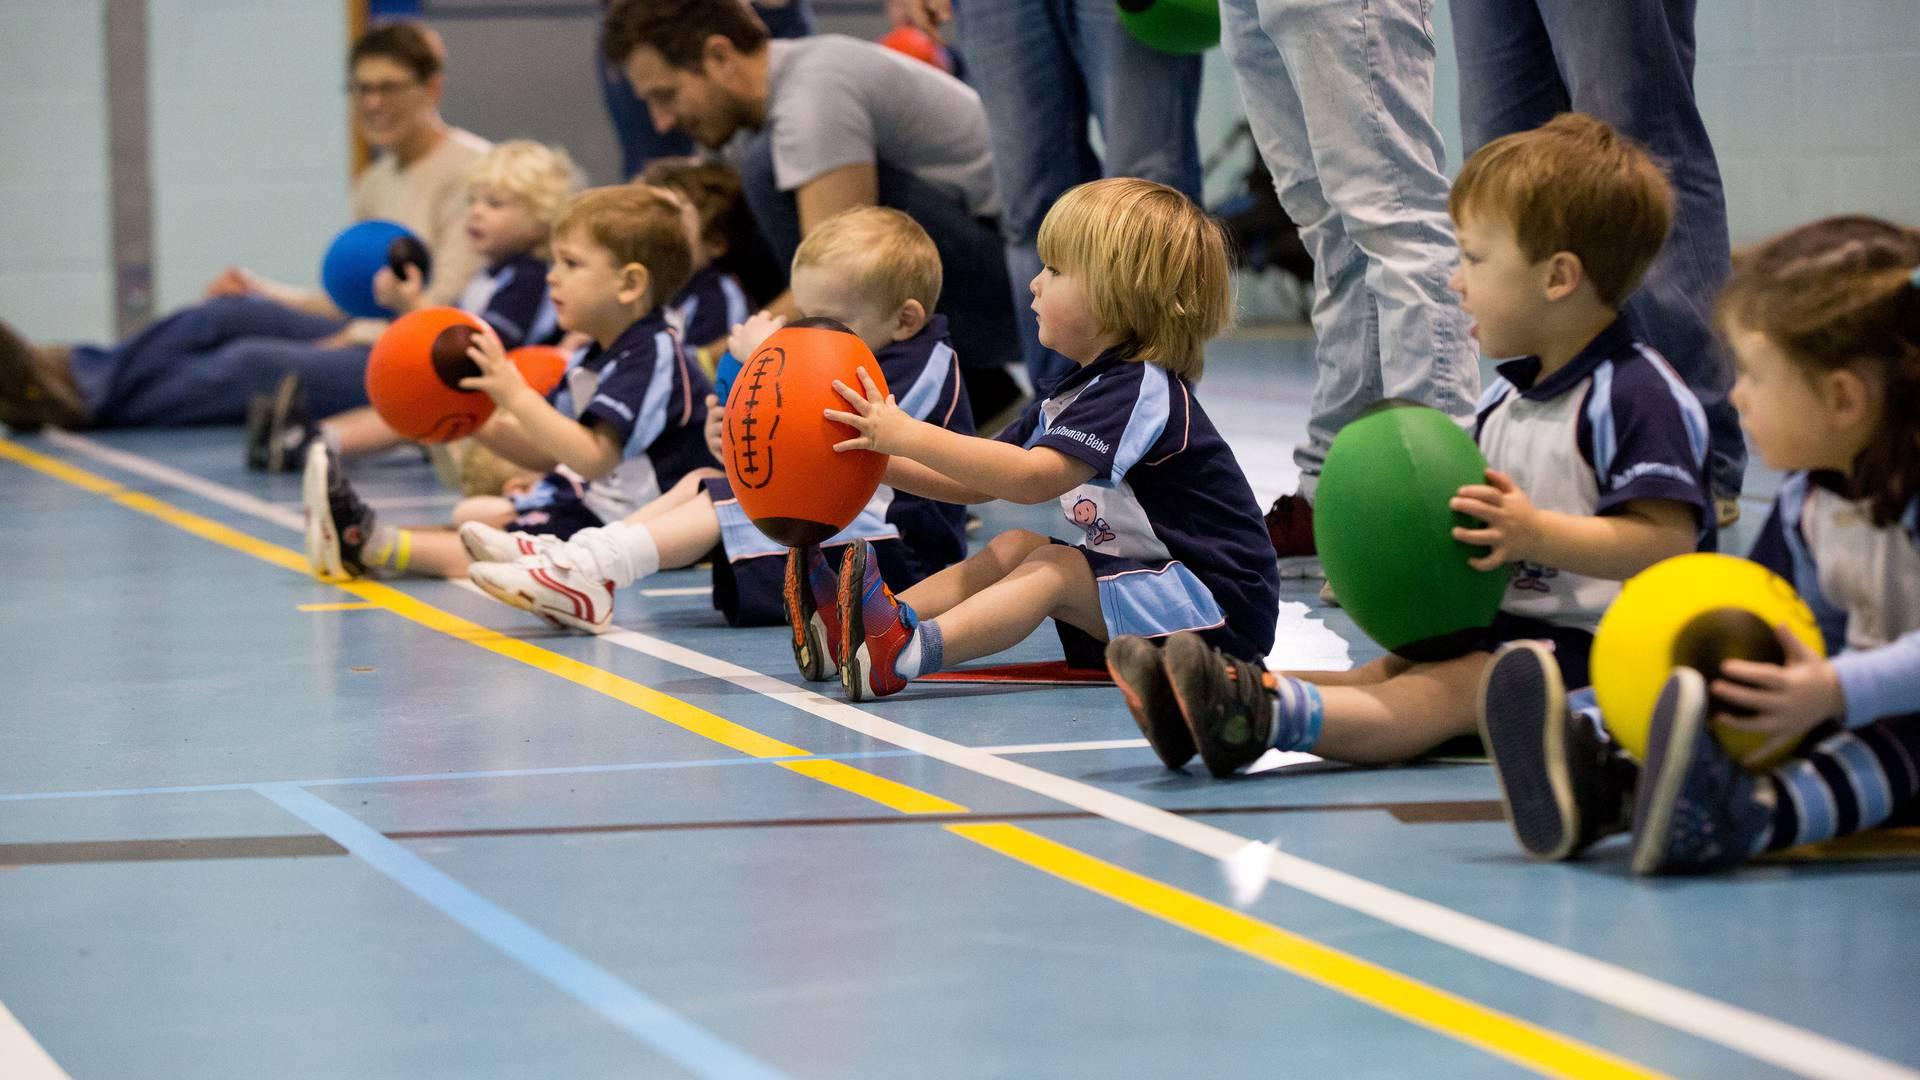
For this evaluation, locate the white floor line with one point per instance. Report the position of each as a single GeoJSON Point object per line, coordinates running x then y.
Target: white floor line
{"type": "Point", "coordinates": [393, 502]}
{"type": "Point", "coordinates": [1758, 1036]}
{"type": "Point", "coordinates": [1062, 747]}
{"type": "Point", "coordinates": [21, 1055]}
{"type": "Point", "coordinates": [684, 590]}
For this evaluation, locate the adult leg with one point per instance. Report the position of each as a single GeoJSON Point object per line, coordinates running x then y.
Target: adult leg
{"type": "Point", "coordinates": [1509, 80]}
{"type": "Point", "coordinates": [1145, 100]}
{"type": "Point", "coordinates": [1021, 60]}
{"type": "Point", "coordinates": [162, 374]}
{"type": "Point", "coordinates": [976, 298]}
{"type": "Point", "coordinates": [1631, 64]}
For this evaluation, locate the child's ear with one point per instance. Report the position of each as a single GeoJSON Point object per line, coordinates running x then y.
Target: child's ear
{"type": "Point", "coordinates": [1849, 396]}
{"type": "Point", "coordinates": [909, 320]}
{"type": "Point", "coordinates": [1565, 272]}
{"type": "Point", "coordinates": [635, 282]}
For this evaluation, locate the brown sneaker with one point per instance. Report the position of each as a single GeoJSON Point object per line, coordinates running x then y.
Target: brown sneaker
{"type": "Point", "coordinates": [1290, 527]}
{"type": "Point", "coordinates": [36, 387]}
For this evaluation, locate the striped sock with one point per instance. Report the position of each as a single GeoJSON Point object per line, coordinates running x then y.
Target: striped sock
{"type": "Point", "coordinates": [389, 548]}
{"type": "Point", "coordinates": [1297, 713]}
{"type": "Point", "coordinates": [1850, 782]}
{"type": "Point", "coordinates": [924, 653]}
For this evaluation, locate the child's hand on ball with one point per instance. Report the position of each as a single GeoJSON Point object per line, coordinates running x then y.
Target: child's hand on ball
{"type": "Point", "coordinates": [499, 378]}
{"type": "Point", "coordinates": [716, 423]}
{"type": "Point", "coordinates": [1511, 522]}
{"type": "Point", "coordinates": [747, 336]}
{"type": "Point", "coordinates": [1786, 700]}
{"type": "Point", "coordinates": [882, 424]}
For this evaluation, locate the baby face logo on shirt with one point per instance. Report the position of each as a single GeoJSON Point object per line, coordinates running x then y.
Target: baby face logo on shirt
{"type": "Point", "coordinates": [1086, 514]}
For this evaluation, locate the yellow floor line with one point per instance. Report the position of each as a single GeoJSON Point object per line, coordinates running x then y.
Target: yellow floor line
{"type": "Point", "coordinates": [1524, 1044]}
{"type": "Point", "coordinates": [1476, 1025]}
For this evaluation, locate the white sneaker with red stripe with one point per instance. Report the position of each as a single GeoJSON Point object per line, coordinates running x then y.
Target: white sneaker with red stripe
{"type": "Point", "coordinates": [484, 543]}
{"type": "Point", "coordinates": [551, 586]}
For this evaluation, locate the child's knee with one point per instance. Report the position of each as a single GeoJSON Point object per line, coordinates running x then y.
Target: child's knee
{"type": "Point", "coordinates": [491, 509]}
{"type": "Point", "coordinates": [1012, 547]}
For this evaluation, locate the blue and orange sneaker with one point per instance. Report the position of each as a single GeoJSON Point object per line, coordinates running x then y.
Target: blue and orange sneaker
{"type": "Point", "coordinates": [874, 627]}
{"type": "Point", "coordinates": [812, 601]}
{"type": "Point", "coordinates": [1696, 808]}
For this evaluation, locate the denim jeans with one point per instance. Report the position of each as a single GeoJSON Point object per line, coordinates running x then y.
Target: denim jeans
{"type": "Point", "coordinates": [1042, 67]}
{"type": "Point", "coordinates": [1340, 97]}
{"type": "Point", "coordinates": [1630, 63]}
{"type": "Point", "coordinates": [202, 364]}
{"type": "Point", "coordinates": [640, 142]}
{"type": "Point", "coordinates": [975, 297]}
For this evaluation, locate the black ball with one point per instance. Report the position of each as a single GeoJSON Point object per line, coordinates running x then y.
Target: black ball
{"type": "Point", "coordinates": [450, 360]}
{"type": "Point", "coordinates": [1726, 634]}
{"type": "Point", "coordinates": [408, 250]}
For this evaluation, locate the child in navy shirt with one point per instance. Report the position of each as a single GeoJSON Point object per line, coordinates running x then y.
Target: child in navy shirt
{"type": "Point", "coordinates": [624, 424]}
{"type": "Point", "coordinates": [873, 271]}
{"type": "Point", "coordinates": [1168, 536]}
{"type": "Point", "coordinates": [515, 194]}
{"type": "Point", "coordinates": [1596, 450]}
{"type": "Point", "coordinates": [713, 302]}
{"type": "Point", "coordinates": [1825, 325]}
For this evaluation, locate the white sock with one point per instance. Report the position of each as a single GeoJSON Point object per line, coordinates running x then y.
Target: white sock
{"type": "Point", "coordinates": [620, 553]}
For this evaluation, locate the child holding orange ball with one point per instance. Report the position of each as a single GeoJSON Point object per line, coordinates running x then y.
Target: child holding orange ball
{"type": "Point", "coordinates": [1824, 323]}
{"type": "Point", "coordinates": [624, 424]}
{"type": "Point", "coordinates": [1135, 282]}
{"type": "Point", "coordinates": [872, 270]}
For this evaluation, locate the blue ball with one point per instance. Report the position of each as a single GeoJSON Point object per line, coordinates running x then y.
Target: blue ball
{"type": "Point", "coordinates": [353, 258]}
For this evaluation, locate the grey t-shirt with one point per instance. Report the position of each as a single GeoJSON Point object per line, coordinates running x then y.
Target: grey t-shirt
{"type": "Point", "coordinates": [834, 101]}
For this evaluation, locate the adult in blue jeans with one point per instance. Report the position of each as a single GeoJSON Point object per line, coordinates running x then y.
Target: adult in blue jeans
{"type": "Point", "coordinates": [826, 123]}
{"type": "Point", "coordinates": [1630, 63]}
{"type": "Point", "coordinates": [203, 364]}
{"type": "Point", "coordinates": [1339, 94]}
{"type": "Point", "coordinates": [1043, 68]}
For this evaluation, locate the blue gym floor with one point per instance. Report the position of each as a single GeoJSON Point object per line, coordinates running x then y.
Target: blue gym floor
{"type": "Point", "coordinates": [257, 825]}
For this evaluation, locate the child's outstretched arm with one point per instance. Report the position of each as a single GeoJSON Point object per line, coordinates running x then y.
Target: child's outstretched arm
{"type": "Point", "coordinates": [946, 465]}
{"type": "Point", "coordinates": [503, 435]}
{"type": "Point", "coordinates": [1612, 546]}
{"type": "Point", "coordinates": [589, 452]}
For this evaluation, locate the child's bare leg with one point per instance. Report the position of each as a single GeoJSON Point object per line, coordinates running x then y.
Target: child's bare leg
{"type": "Point", "coordinates": [940, 593]}
{"type": "Point", "coordinates": [494, 510]}
{"type": "Point", "coordinates": [361, 431]}
{"type": "Point", "coordinates": [1373, 672]}
{"type": "Point", "coordinates": [1050, 582]}
{"type": "Point", "coordinates": [687, 490]}
{"type": "Point", "coordinates": [1404, 716]}
{"type": "Point", "coordinates": [431, 551]}
{"type": "Point", "coordinates": [683, 533]}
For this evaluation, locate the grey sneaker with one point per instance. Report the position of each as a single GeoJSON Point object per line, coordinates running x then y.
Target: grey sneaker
{"type": "Point", "coordinates": [1226, 701]}
{"type": "Point", "coordinates": [1563, 787]}
{"type": "Point", "coordinates": [1696, 809]}
{"type": "Point", "coordinates": [1136, 667]}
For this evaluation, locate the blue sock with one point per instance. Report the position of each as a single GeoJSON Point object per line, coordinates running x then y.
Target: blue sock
{"type": "Point", "coordinates": [923, 654]}
{"type": "Point", "coordinates": [1297, 713]}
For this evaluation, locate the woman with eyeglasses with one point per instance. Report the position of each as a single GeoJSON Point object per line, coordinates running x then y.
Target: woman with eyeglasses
{"type": "Point", "coordinates": [203, 364]}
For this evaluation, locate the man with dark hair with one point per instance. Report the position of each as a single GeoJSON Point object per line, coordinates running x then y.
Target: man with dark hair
{"type": "Point", "coordinates": [203, 364]}
{"type": "Point", "coordinates": [823, 124]}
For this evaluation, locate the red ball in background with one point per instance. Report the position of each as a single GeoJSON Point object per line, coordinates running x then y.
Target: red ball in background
{"type": "Point", "coordinates": [543, 366]}
{"type": "Point", "coordinates": [778, 447]}
{"type": "Point", "coordinates": [917, 43]}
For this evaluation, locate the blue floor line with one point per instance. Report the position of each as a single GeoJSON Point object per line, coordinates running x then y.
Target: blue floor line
{"type": "Point", "coordinates": [488, 774]}
{"type": "Point", "coordinates": [645, 1019]}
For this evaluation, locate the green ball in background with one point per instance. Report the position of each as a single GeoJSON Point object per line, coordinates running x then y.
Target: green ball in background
{"type": "Point", "coordinates": [1381, 522]}
{"type": "Point", "coordinates": [1175, 26]}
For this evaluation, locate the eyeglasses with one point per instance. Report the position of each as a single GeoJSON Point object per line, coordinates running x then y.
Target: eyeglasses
{"type": "Point", "coordinates": [363, 90]}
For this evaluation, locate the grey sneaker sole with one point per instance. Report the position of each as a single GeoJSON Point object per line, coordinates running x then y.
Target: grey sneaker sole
{"type": "Point", "coordinates": [1679, 716]}
{"type": "Point", "coordinates": [1135, 666]}
{"type": "Point", "coordinates": [806, 623]}
{"type": "Point", "coordinates": [323, 545]}
{"type": "Point", "coordinates": [1523, 723]}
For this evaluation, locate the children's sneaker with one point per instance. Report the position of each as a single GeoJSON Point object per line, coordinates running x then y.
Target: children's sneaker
{"type": "Point", "coordinates": [551, 586]}
{"type": "Point", "coordinates": [485, 543]}
{"type": "Point", "coordinates": [279, 429]}
{"type": "Point", "coordinates": [1290, 527]}
{"type": "Point", "coordinates": [1563, 786]}
{"type": "Point", "coordinates": [339, 524]}
{"type": "Point", "coordinates": [874, 627]}
{"type": "Point", "coordinates": [1137, 669]}
{"type": "Point", "coordinates": [1226, 702]}
{"type": "Point", "coordinates": [1695, 809]}
{"type": "Point", "coordinates": [812, 596]}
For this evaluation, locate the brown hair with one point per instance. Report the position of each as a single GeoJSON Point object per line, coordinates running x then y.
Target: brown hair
{"type": "Point", "coordinates": [713, 187]}
{"type": "Point", "coordinates": [405, 42]}
{"type": "Point", "coordinates": [637, 224]}
{"type": "Point", "coordinates": [884, 252]}
{"type": "Point", "coordinates": [1836, 294]}
{"type": "Point", "coordinates": [1573, 184]}
{"type": "Point", "coordinates": [678, 29]}
{"type": "Point", "coordinates": [1154, 266]}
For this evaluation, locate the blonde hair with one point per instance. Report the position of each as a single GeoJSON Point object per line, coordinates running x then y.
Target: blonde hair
{"type": "Point", "coordinates": [543, 177]}
{"type": "Point", "coordinates": [637, 223]}
{"type": "Point", "coordinates": [1153, 264]}
{"type": "Point", "coordinates": [1573, 184]}
{"type": "Point", "coordinates": [885, 253]}
{"type": "Point", "coordinates": [1844, 292]}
